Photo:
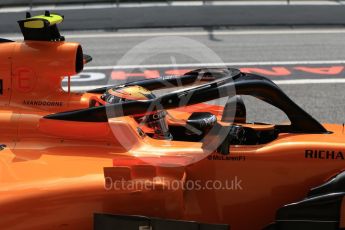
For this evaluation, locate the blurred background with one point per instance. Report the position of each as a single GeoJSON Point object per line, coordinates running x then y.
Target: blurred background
{"type": "Point", "coordinates": [298, 44]}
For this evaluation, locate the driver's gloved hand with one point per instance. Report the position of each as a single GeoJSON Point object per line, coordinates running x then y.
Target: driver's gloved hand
{"type": "Point", "coordinates": [237, 135]}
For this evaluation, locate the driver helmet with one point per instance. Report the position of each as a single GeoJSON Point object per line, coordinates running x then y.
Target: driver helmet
{"type": "Point", "coordinates": [156, 120]}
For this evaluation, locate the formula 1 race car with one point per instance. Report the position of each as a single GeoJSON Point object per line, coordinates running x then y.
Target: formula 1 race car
{"type": "Point", "coordinates": [121, 157]}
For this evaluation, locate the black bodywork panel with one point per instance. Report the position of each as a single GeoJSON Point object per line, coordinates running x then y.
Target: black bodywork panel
{"type": "Point", "coordinates": [321, 210]}
{"type": "Point", "coordinates": [120, 222]}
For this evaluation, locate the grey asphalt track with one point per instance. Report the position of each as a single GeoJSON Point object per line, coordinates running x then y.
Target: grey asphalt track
{"type": "Point", "coordinates": [324, 101]}
{"type": "Point", "coordinates": [234, 47]}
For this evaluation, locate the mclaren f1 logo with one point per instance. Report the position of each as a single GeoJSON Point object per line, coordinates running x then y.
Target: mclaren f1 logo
{"type": "Point", "coordinates": [324, 154]}
{"type": "Point", "coordinates": [145, 228]}
{"type": "Point", "coordinates": [220, 157]}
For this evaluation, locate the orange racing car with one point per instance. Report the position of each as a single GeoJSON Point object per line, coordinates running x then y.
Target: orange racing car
{"type": "Point", "coordinates": [121, 157]}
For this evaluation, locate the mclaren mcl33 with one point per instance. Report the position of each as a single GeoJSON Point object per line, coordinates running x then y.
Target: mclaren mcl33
{"type": "Point", "coordinates": [124, 158]}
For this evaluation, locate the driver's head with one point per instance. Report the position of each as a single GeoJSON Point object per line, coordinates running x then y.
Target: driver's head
{"type": "Point", "coordinates": [155, 120]}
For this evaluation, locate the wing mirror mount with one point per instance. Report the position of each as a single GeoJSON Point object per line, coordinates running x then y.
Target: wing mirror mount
{"type": "Point", "coordinates": [235, 110]}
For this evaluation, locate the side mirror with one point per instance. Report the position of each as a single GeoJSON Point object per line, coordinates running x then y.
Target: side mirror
{"type": "Point", "coordinates": [235, 110]}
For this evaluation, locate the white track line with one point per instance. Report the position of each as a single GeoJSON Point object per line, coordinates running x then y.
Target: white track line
{"type": "Point", "coordinates": [206, 33]}
{"type": "Point", "coordinates": [278, 82]}
{"type": "Point", "coordinates": [98, 34]}
{"type": "Point", "coordinates": [318, 62]}
{"type": "Point", "coordinates": [310, 81]}
{"type": "Point", "coordinates": [157, 4]}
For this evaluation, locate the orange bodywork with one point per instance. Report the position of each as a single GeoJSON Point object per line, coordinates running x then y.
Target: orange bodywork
{"type": "Point", "coordinates": [57, 174]}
